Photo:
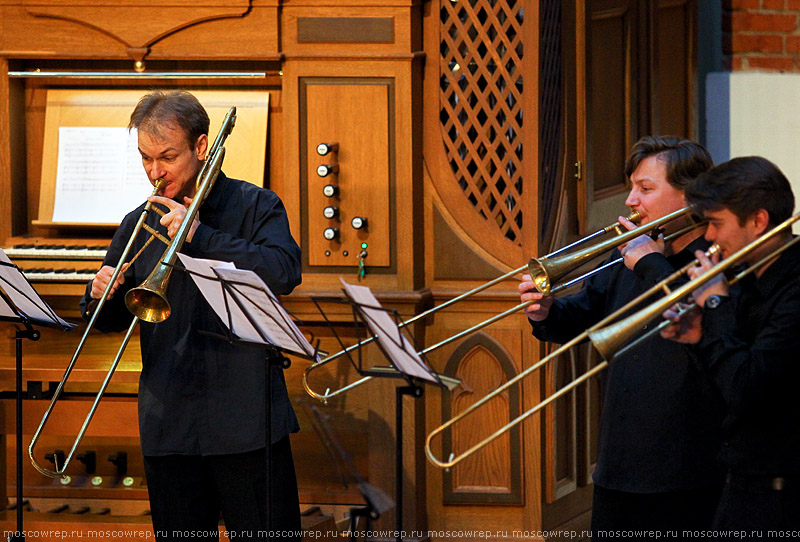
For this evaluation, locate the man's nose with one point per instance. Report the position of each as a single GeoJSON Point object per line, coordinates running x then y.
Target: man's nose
{"type": "Point", "coordinates": [632, 200]}
{"type": "Point", "coordinates": [156, 170]}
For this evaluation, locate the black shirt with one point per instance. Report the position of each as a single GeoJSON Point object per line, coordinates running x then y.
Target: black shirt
{"type": "Point", "coordinates": [749, 346]}
{"type": "Point", "coordinates": [660, 419]}
{"type": "Point", "coordinates": [200, 395]}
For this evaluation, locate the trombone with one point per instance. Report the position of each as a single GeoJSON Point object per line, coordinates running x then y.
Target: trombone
{"type": "Point", "coordinates": [148, 301]}
{"type": "Point", "coordinates": [545, 271]}
{"type": "Point", "coordinates": [611, 332]}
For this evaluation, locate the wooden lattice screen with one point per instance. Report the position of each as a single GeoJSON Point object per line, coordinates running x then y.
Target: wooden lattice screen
{"type": "Point", "coordinates": [481, 106]}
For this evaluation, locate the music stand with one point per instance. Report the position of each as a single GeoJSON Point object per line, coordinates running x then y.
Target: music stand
{"type": "Point", "coordinates": [406, 363]}
{"type": "Point", "coordinates": [375, 499]}
{"type": "Point", "coordinates": [21, 304]}
{"type": "Point", "coordinates": [251, 314]}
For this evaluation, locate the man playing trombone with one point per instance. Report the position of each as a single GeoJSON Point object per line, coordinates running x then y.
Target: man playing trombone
{"type": "Point", "coordinates": [202, 399]}
{"type": "Point", "coordinates": [747, 337]}
{"type": "Point", "coordinates": [659, 423]}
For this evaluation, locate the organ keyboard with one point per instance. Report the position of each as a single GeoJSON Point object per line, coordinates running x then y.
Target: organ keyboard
{"type": "Point", "coordinates": [57, 266]}
{"type": "Point", "coordinates": [57, 252]}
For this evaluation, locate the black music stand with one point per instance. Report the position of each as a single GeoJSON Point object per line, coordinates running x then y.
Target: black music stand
{"type": "Point", "coordinates": [406, 363]}
{"type": "Point", "coordinates": [250, 314]}
{"type": "Point", "coordinates": [376, 501]}
{"type": "Point", "coordinates": [22, 305]}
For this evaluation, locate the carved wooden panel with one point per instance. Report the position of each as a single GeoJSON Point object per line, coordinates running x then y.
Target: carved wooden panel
{"type": "Point", "coordinates": [481, 111]}
{"type": "Point", "coordinates": [105, 16]}
{"type": "Point", "coordinates": [480, 134]}
{"type": "Point", "coordinates": [493, 473]}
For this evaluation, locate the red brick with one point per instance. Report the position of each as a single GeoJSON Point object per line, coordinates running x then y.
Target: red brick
{"type": "Point", "coordinates": [742, 4]}
{"type": "Point", "coordinates": [734, 64]}
{"type": "Point", "coordinates": [773, 4]}
{"type": "Point", "coordinates": [768, 22]}
{"type": "Point", "coordinates": [773, 63]}
{"type": "Point", "coordinates": [793, 44]}
{"type": "Point", "coordinates": [757, 43]}
{"type": "Point", "coordinates": [792, 4]}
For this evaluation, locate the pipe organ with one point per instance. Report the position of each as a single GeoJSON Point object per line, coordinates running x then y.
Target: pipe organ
{"type": "Point", "coordinates": [375, 144]}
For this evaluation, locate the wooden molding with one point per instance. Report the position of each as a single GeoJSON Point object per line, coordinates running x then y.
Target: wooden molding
{"type": "Point", "coordinates": [138, 28]}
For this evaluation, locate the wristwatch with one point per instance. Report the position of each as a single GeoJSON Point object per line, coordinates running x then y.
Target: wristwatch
{"type": "Point", "coordinates": [713, 301]}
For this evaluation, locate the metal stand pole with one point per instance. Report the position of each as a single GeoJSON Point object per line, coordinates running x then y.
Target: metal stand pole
{"type": "Point", "coordinates": [32, 334]}
{"type": "Point", "coordinates": [414, 391]}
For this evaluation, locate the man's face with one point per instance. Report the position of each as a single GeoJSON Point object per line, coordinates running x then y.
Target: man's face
{"type": "Point", "coordinates": [725, 230]}
{"type": "Point", "coordinates": [168, 156]}
{"type": "Point", "coordinates": [651, 194]}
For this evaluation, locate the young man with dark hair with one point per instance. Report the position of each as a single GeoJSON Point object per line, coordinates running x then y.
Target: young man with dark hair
{"type": "Point", "coordinates": [747, 337]}
{"type": "Point", "coordinates": [660, 421]}
{"type": "Point", "coordinates": [201, 399]}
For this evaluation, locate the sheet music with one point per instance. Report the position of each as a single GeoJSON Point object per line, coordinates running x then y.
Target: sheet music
{"type": "Point", "coordinates": [250, 294]}
{"type": "Point", "coordinates": [99, 174]}
{"type": "Point", "coordinates": [24, 297]}
{"type": "Point", "coordinates": [399, 350]}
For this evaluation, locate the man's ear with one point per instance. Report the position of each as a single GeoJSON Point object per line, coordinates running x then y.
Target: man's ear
{"type": "Point", "coordinates": [761, 221]}
{"type": "Point", "coordinates": [201, 147]}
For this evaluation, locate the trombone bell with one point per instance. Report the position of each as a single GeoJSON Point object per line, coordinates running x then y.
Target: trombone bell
{"type": "Point", "coordinates": [148, 304]}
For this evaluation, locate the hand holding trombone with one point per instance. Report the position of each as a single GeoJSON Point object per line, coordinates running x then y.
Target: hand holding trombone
{"type": "Point", "coordinates": [547, 272]}
{"type": "Point", "coordinates": [610, 334]}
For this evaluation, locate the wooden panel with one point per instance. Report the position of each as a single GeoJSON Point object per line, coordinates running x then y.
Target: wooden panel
{"type": "Point", "coordinates": [365, 176]}
{"type": "Point", "coordinates": [299, 39]}
{"type": "Point", "coordinates": [493, 474]}
{"type": "Point", "coordinates": [345, 29]}
{"type": "Point", "coordinates": [512, 335]}
{"type": "Point", "coordinates": [609, 100]}
{"type": "Point", "coordinates": [673, 86]}
{"type": "Point", "coordinates": [104, 29]}
{"type": "Point", "coordinates": [132, 23]}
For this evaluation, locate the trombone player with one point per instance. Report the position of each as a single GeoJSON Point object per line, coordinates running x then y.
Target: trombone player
{"type": "Point", "coordinates": [747, 337]}
{"type": "Point", "coordinates": [659, 422]}
{"type": "Point", "coordinates": [201, 399]}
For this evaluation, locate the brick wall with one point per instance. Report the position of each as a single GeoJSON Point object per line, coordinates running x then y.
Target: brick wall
{"type": "Point", "coordinates": [762, 35]}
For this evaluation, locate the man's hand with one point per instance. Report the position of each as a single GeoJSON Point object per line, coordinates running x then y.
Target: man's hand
{"type": "Point", "coordinates": [527, 292]}
{"type": "Point", "coordinates": [639, 247]}
{"type": "Point", "coordinates": [174, 218]}
{"type": "Point", "coordinates": [716, 286]}
{"type": "Point", "coordinates": [685, 328]}
{"type": "Point", "coordinates": [103, 277]}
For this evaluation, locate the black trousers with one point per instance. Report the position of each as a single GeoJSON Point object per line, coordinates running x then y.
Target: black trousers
{"type": "Point", "coordinates": [630, 515]}
{"type": "Point", "coordinates": [754, 510]}
{"type": "Point", "coordinates": [188, 494]}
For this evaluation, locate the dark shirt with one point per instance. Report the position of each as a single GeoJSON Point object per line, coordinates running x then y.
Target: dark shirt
{"type": "Point", "coordinates": [200, 395]}
{"type": "Point", "coordinates": [660, 419]}
{"type": "Point", "coordinates": [749, 346]}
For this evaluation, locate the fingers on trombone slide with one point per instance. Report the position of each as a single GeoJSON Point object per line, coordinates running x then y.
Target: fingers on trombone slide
{"type": "Point", "coordinates": [102, 279]}
{"type": "Point", "coordinates": [540, 304]}
{"type": "Point", "coordinates": [682, 323]}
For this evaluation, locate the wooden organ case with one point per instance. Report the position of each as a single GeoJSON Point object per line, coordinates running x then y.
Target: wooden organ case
{"type": "Point", "coordinates": [395, 140]}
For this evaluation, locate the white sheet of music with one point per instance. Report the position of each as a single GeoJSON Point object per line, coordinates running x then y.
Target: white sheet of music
{"type": "Point", "coordinates": [24, 297]}
{"type": "Point", "coordinates": [99, 175]}
{"type": "Point", "coordinates": [399, 350]}
{"type": "Point", "coordinates": [267, 317]}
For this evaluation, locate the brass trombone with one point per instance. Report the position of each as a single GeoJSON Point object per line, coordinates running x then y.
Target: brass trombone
{"type": "Point", "coordinates": [610, 333]}
{"type": "Point", "coordinates": [149, 301]}
{"type": "Point", "coordinates": [545, 271]}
